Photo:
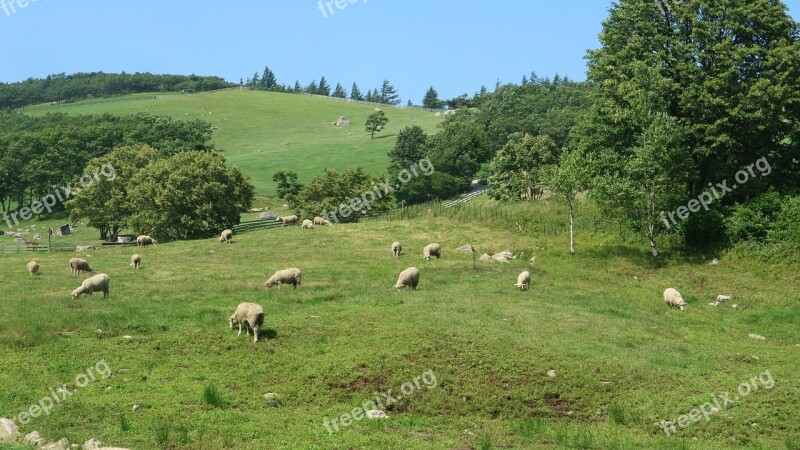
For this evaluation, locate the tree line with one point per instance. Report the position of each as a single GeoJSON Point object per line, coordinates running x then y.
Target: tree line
{"type": "Point", "coordinates": [79, 86]}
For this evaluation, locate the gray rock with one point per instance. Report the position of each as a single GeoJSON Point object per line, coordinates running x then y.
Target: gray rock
{"type": "Point", "coordinates": [61, 444]}
{"type": "Point", "coordinates": [723, 298]}
{"type": "Point", "coordinates": [485, 257]}
{"type": "Point", "coordinates": [466, 248]}
{"type": "Point", "coordinates": [756, 336]}
{"type": "Point", "coordinates": [33, 438]}
{"type": "Point", "coordinates": [268, 215]}
{"type": "Point", "coordinates": [92, 444]}
{"type": "Point", "coordinates": [8, 430]}
{"type": "Point", "coordinates": [376, 414]}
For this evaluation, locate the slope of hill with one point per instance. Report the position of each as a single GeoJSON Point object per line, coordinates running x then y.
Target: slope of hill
{"type": "Point", "coordinates": [479, 349]}
{"type": "Point", "coordinates": [263, 132]}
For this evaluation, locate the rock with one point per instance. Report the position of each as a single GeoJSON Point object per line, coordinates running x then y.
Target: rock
{"type": "Point", "coordinates": [37, 237]}
{"type": "Point", "coordinates": [723, 298]}
{"type": "Point", "coordinates": [756, 336]}
{"type": "Point", "coordinates": [113, 448]}
{"type": "Point", "coordinates": [798, 345]}
{"type": "Point", "coordinates": [84, 248]}
{"type": "Point", "coordinates": [485, 257]}
{"type": "Point", "coordinates": [268, 215]}
{"type": "Point", "coordinates": [713, 304]}
{"type": "Point", "coordinates": [127, 336]}
{"type": "Point", "coordinates": [376, 414]}
{"type": "Point", "coordinates": [714, 262]}
{"type": "Point", "coordinates": [123, 239]}
{"type": "Point", "coordinates": [551, 373]}
{"type": "Point", "coordinates": [61, 444]}
{"type": "Point", "coordinates": [532, 260]}
{"type": "Point", "coordinates": [34, 439]}
{"type": "Point", "coordinates": [136, 407]}
{"type": "Point", "coordinates": [503, 256]}
{"type": "Point", "coordinates": [735, 306]}
{"type": "Point", "coordinates": [92, 444]}
{"type": "Point", "coordinates": [272, 396]}
{"type": "Point", "coordinates": [8, 430]}
{"type": "Point", "coordinates": [466, 248]}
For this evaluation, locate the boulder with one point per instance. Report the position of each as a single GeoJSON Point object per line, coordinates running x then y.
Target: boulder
{"type": "Point", "coordinates": [92, 444]}
{"type": "Point", "coordinates": [61, 444]}
{"type": "Point", "coordinates": [268, 215]}
{"type": "Point", "coordinates": [33, 439]}
{"type": "Point", "coordinates": [466, 248]}
{"type": "Point", "coordinates": [8, 430]}
{"type": "Point", "coordinates": [376, 414]}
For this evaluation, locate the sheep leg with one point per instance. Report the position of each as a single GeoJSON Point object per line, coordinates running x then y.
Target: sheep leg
{"type": "Point", "coordinates": [255, 335]}
{"type": "Point", "coordinates": [240, 329]}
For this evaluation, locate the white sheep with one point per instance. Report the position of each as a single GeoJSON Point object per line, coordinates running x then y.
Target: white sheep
{"type": "Point", "coordinates": [249, 314]}
{"type": "Point", "coordinates": [408, 278]}
{"type": "Point", "coordinates": [33, 267]}
{"type": "Point", "coordinates": [226, 236]}
{"type": "Point", "coordinates": [291, 276]}
{"type": "Point", "coordinates": [96, 283]}
{"type": "Point", "coordinates": [78, 265]}
{"type": "Point", "coordinates": [136, 261]}
{"type": "Point", "coordinates": [396, 249]}
{"type": "Point", "coordinates": [673, 299]}
{"type": "Point", "coordinates": [432, 250]}
{"type": "Point", "coordinates": [321, 221]}
{"type": "Point", "coordinates": [524, 281]}
{"type": "Point", "coordinates": [307, 225]}
{"type": "Point", "coordinates": [288, 220]}
{"type": "Point", "coordinates": [144, 241]}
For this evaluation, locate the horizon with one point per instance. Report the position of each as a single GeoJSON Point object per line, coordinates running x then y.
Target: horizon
{"type": "Point", "coordinates": [303, 41]}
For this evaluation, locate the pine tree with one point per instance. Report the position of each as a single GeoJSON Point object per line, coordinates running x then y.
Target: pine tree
{"type": "Point", "coordinates": [355, 93]}
{"type": "Point", "coordinates": [339, 91]}
{"type": "Point", "coordinates": [268, 80]}
{"type": "Point", "coordinates": [254, 81]}
{"type": "Point", "coordinates": [312, 87]}
{"type": "Point", "coordinates": [324, 88]}
{"type": "Point", "coordinates": [388, 94]}
{"type": "Point", "coordinates": [431, 99]}
{"type": "Point", "coordinates": [297, 88]}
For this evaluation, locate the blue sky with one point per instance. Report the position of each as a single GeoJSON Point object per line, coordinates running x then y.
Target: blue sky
{"type": "Point", "coordinates": [454, 45]}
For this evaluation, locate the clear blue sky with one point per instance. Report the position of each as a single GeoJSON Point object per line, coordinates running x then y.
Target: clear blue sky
{"type": "Point", "coordinates": [454, 45]}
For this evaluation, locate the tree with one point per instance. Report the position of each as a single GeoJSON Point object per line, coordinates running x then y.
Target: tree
{"type": "Point", "coordinates": [287, 184]}
{"type": "Point", "coordinates": [408, 149]}
{"type": "Point", "coordinates": [297, 87]}
{"type": "Point", "coordinates": [431, 99]}
{"type": "Point", "coordinates": [255, 80]}
{"type": "Point", "coordinates": [339, 91]}
{"type": "Point", "coordinates": [460, 147]}
{"type": "Point", "coordinates": [268, 80]}
{"type": "Point", "coordinates": [729, 69]}
{"type": "Point", "coordinates": [370, 98]}
{"type": "Point", "coordinates": [342, 197]}
{"type": "Point", "coordinates": [189, 195]}
{"type": "Point", "coordinates": [518, 168]}
{"type": "Point", "coordinates": [355, 93]}
{"type": "Point", "coordinates": [324, 88]}
{"type": "Point", "coordinates": [565, 181]}
{"type": "Point", "coordinates": [312, 88]}
{"type": "Point", "coordinates": [104, 204]}
{"type": "Point", "coordinates": [409, 104]}
{"type": "Point", "coordinates": [388, 94]}
{"type": "Point", "coordinates": [375, 122]}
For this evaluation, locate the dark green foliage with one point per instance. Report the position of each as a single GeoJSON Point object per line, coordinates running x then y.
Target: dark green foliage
{"type": "Point", "coordinates": [408, 149]}
{"type": "Point", "coordinates": [287, 183]}
{"type": "Point", "coordinates": [437, 185]}
{"type": "Point", "coordinates": [376, 122]}
{"type": "Point", "coordinates": [327, 192]}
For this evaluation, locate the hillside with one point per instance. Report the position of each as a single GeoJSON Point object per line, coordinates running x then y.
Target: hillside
{"type": "Point", "coordinates": [263, 132]}
{"type": "Point", "coordinates": [622, 360]}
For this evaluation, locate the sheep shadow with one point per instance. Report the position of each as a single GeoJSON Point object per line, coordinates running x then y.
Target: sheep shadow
{"type": "Point", "coordinates": [268, 334]}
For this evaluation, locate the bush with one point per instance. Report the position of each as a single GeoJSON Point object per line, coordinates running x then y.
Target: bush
{"type": "Point", "coordinates": [437, 185]}
{"type": "Point", "coordinates": [751, 221]}
{"type": "Point", "coordinates": [786, 226]}
{"type": "Point", "coordinates": [341, 196]}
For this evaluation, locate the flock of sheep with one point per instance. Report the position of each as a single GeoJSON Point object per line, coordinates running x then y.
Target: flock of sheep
{"type": "Point", "coordinates": [251, 315]}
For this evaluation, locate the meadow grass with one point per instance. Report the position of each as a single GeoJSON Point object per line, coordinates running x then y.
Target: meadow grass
{"type": "Point", "coordinates": [263, 132]}
{"type": "Point", "coordinates": [623, 360]}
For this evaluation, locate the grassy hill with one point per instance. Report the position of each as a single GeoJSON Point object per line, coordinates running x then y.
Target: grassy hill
{"type": "Point", "coordinates": [263, 132]}
{"type": "Point", "coordinates": [623, 361]}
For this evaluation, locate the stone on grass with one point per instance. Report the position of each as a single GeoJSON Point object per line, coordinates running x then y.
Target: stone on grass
{"type": "Point", "coordinates": [376, 414]}
{"type": "Point", "coordinates": [8, 430]}
{"type": "Point", "coordinates": [92, 444]}
{"type": "Point", "coordinates": [61, 444]}
{"type": "Point", "coordinates": [756, 336]}
{"type": "Point", "coordinates": [466, 248]}
{"type": "Point", "coordinates": [551, 373]}
{"type": "Point", "coordinates": [34, 439]}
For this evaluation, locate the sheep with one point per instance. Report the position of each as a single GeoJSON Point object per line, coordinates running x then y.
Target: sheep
{"type": "Point", "coordinates": [78, 265]}
{"type": "Point", "coordinates": [249, 314]}
{"type": "Point", "coordinates": [321, 221]}
{"type": "Point", "coordinates": [408, 278]}
{"type": "Point", "coordinates": [288, 220]}
{"type": "Point", "coordinates": [291, 276]}
{"type": "Point", "coordinates": [136, 261]}
{"type": "Point", "coordinates": [432, 250]}
{"type": "Point", "coordinates": [524, 281]}
{"type": "Point", "coordinates": [307, 225]}
{"type": "Point", "coordinates": [96, 283]}
{"type": "Point", "coordinates": [396, 249]}
{"type": "Point", "coordinates": [144, 241]}
{"type": "Point", "coordinates": [226, 236]}
{"type": "Point", "coordinates": [673, 299]}
{"type": "Point", "coordinates": [33, 267]}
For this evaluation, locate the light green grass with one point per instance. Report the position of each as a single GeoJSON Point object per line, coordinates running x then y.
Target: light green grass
{"type": "Point", "coordinates": [623, 359]}
{"type": "Point", "coordinates": [264, 132]}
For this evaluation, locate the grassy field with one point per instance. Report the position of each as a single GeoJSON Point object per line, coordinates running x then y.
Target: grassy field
{"type": "Point", "coordinates": [263, 132]}
{"type": "Point", "coordinates": [623, 361]}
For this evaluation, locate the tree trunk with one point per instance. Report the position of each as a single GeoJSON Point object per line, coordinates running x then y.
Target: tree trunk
{"type": "Point", "coordinates": [114, 233]}
{"type": "Point", "coordinates": [103, 233]}
{"type": "Point", "coordinates": [571, 230]}
{"type": "Point", "coordinates": [651, 236]}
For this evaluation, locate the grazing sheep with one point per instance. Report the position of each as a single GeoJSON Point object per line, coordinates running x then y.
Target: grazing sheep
{"type": "Point", "coordinates": [33, 267]}
{"type": "Point", "coordinates": [396, 249]}
{"type": "Point", "coordinates": [226, 236]}
{"type": "Point", "coordinates": [136, 261]}
{"type": "Point", "coordinates": [321, 221]}
{"type": "Point", "coordinates": [78, 265]}
{"type": "Point", "coordinates": [673, 299]}
{"type": "Point", "coordinates": [291, 276]}
{"type": "Point", "coordinates": [96, 283]}
{"type": "Point", "coordinates": [144, 241]}
{"type": "Point", "coordinates": [408, 278]}
{"type": "Point", "coordinates": [524, 281]}
{"type": "Point", "coordinates": [307, 224]}
{"type": "Point", "coordinates": [288, 220]}
{"type": "Point", "coordinates": [432, 250]}
{"type": "Point", "coordinates": [249, 314]}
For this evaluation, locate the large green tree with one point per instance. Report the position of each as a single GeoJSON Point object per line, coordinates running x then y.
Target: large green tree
{"type": "Point", "coordinates": [389, 94]}
{"type": "Point", "coordinates": [408, 149]}
{"type": "Point", "coordinates": [355, 92]}
{"type": "Point", "coordinates": [376, 122]}
{"type": "Point", "coordinates": [342, 197]}
{"type": "Point", "coordinates": [188, 195]}
{"type": "Point", "coordinates": [339, 91]}
{"type": "Point", "coordinates": [518, 168]}
{"type": "Point", "coordinates": [431, 99]}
